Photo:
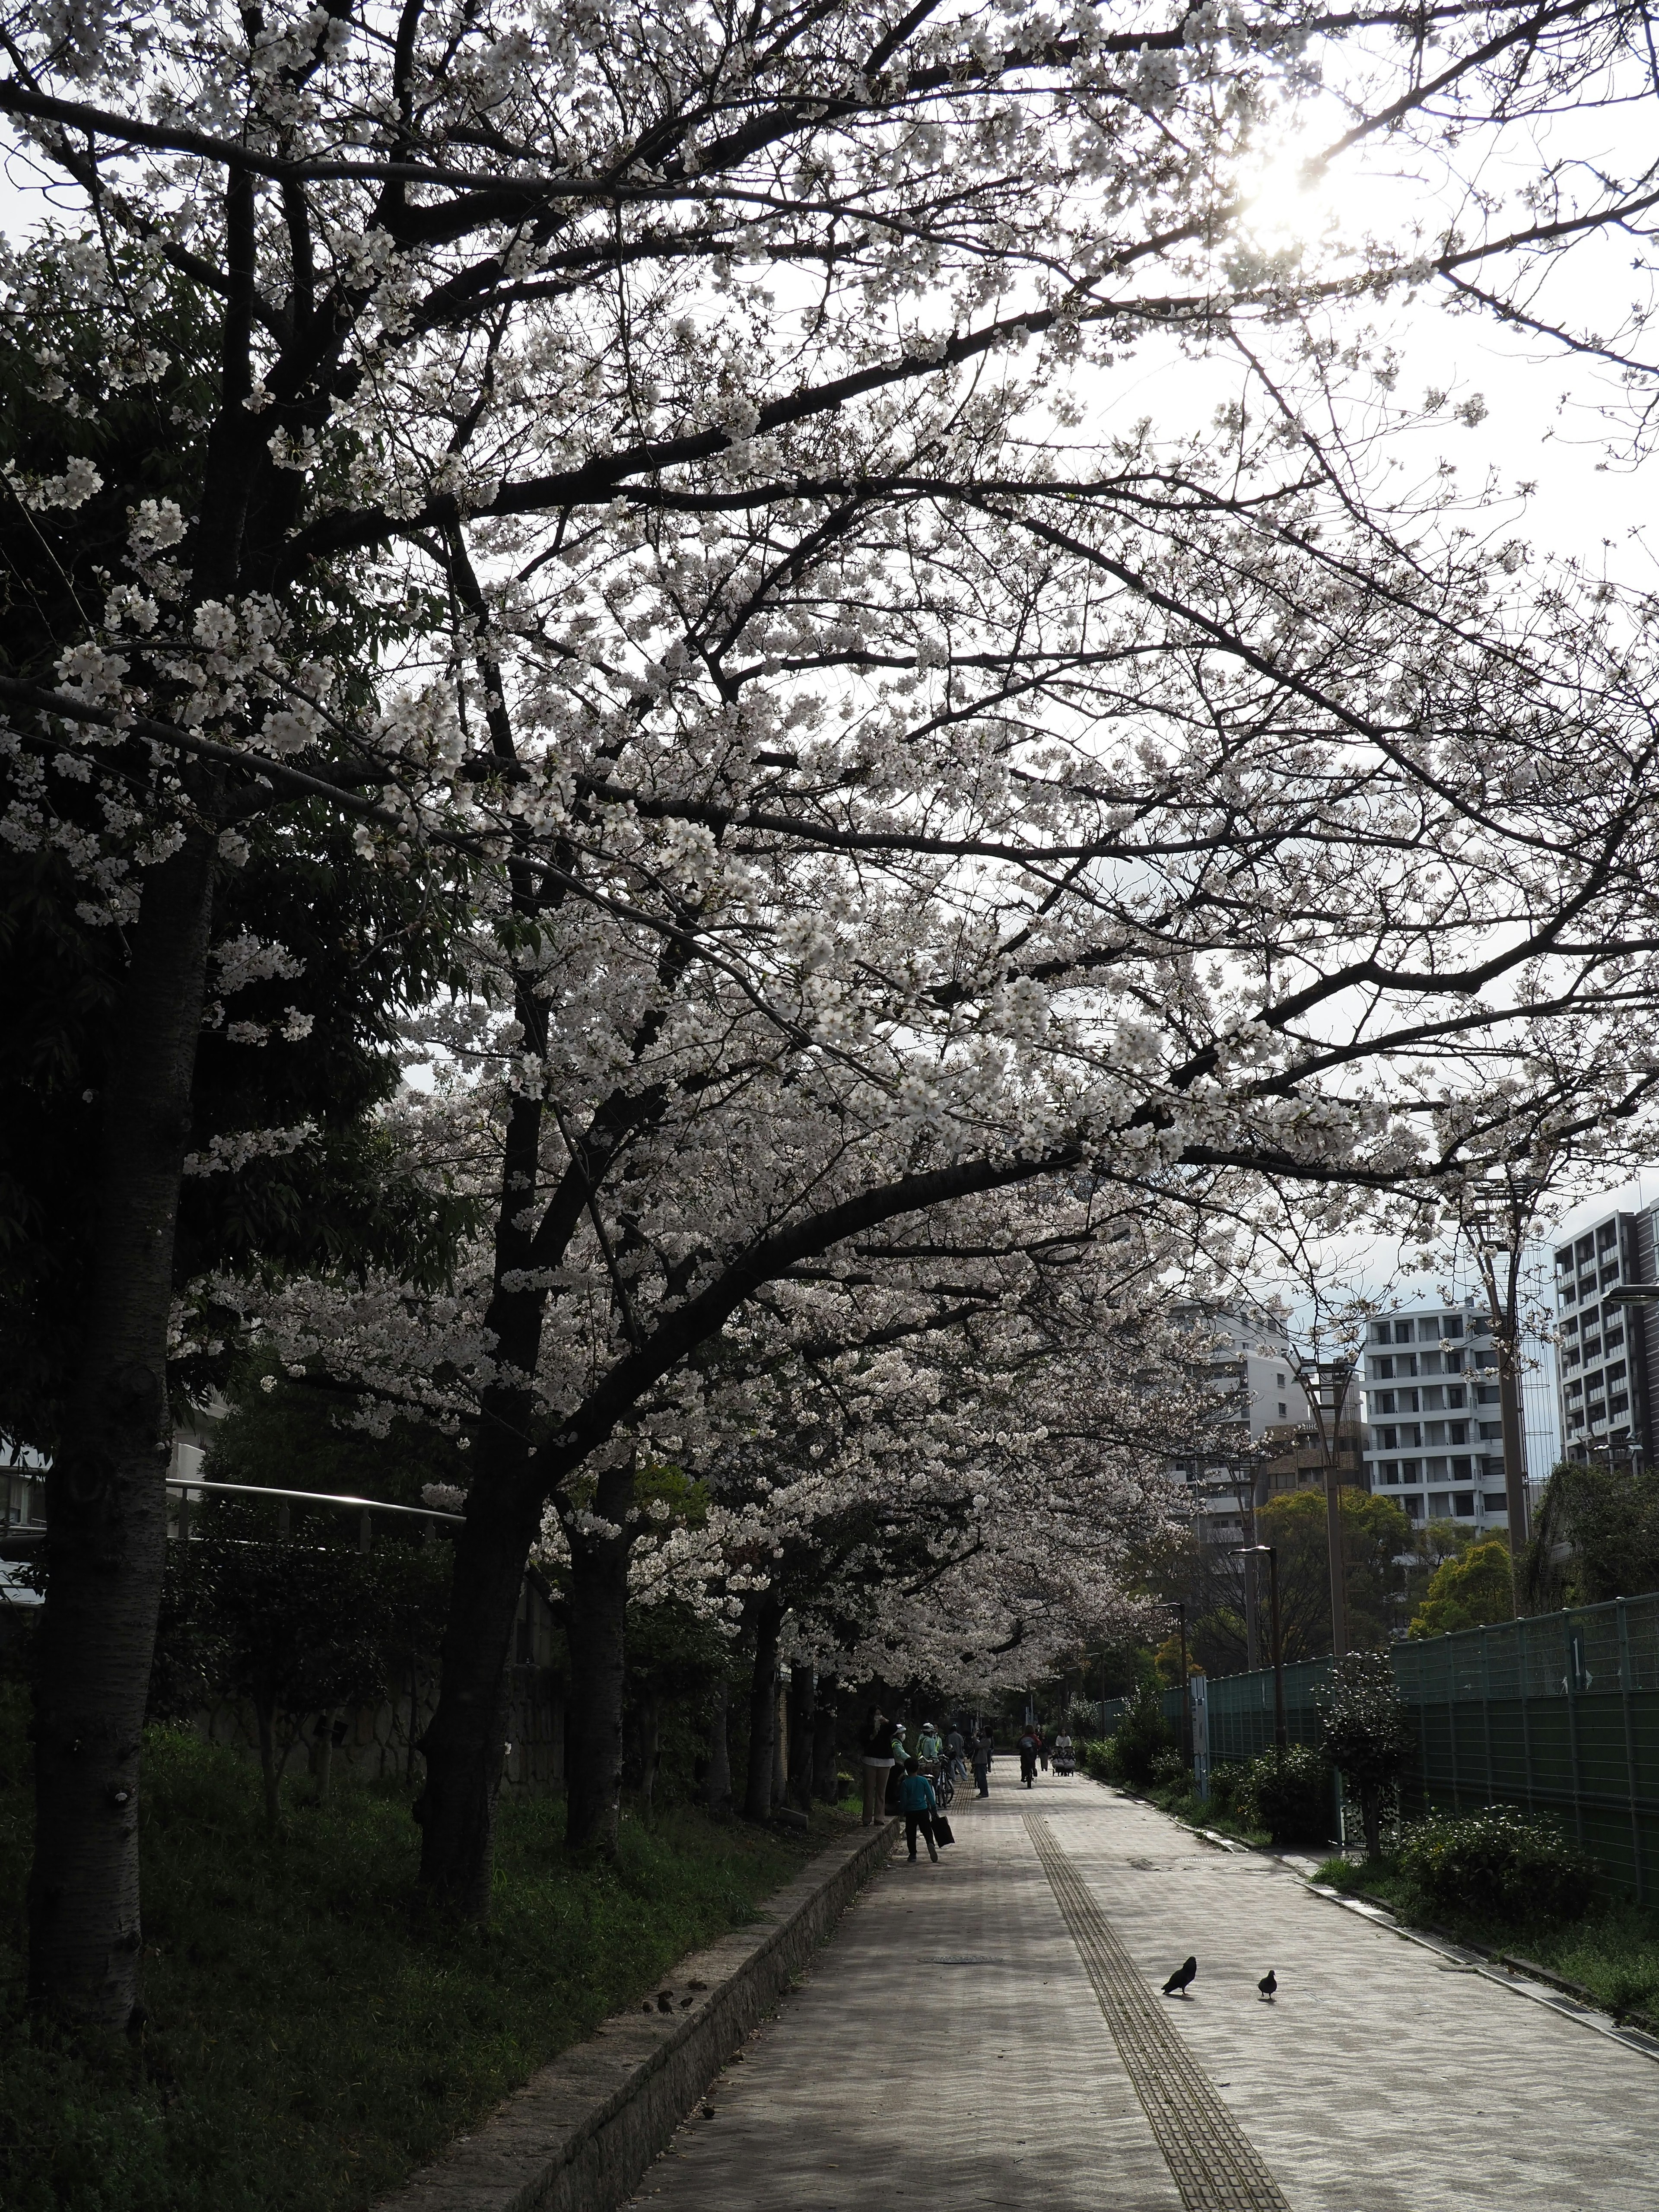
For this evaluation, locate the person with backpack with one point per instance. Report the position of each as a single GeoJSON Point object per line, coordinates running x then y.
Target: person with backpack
{"type": "Point", "coordinates": [1027, 1757]}
{"type": "Point", "coordinates": [919, 1807]}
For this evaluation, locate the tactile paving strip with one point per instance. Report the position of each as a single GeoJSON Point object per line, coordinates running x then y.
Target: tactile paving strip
{"type": "Point", "coordinates": [1214, 2164]}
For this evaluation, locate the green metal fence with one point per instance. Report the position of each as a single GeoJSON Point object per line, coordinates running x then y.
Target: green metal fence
{"type": "Point", "coordinates": [1558, 1713]}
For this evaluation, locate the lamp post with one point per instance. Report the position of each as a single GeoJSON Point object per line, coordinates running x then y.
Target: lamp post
{"type": "Point", "coordinates": [1331, 1379]}
{"type": "Point", "coordinates": [1281, 1735]}
{"type": "Point", "coordinates": [1178, 1606]}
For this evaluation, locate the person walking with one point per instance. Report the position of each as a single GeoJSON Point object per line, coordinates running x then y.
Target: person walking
{"type": "Point", "coordinates": [930, 1745]}
{"type": "Point", "coordinates": [900, 1755]}
{"type": "Point", "coordinates": [956, 1748]}
{"type": "Point", "coordinates": [1027, 1757]}
{"type": "Point", "coordinates": [918, 1804]}
{"type": "Point", "coordinates": [1042, 1749]}
{"type": "Point", "coordinates": [875, 1749]}
{"type": "Point", "coordinates": [983, 1747]}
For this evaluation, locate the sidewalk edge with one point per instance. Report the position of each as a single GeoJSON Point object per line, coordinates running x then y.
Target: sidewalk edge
{"type": "Point", "coordinates": [581, 2131]}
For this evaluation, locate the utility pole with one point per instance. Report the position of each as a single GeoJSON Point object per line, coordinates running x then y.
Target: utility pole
{"type": "Point", "coordinates": [1496, 1214]}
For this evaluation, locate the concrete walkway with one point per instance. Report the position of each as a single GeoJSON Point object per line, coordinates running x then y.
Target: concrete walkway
{"type": "Point", "coordinates": [988, 2032]}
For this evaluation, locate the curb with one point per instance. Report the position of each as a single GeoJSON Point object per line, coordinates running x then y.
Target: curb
{"type": "Point", "coordinates": [1550, 1991]}
{"type": "Point", "coordinates": [583, 2131]}
{"type": "Point", "coordinates": [1569, 2000]}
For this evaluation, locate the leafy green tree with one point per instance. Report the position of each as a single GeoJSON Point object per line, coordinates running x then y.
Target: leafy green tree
{"type": "Point", "coordinates": [1471, 1592]}
{"type": "Point", "coordinates": [1377, 1539]}
{"type": "Point", "coordinates": [296, 1629]}
{"type": "Point", "coordinates": [1596, 1536]}
{"type": "Point", "coordinates": [1367, 1732]}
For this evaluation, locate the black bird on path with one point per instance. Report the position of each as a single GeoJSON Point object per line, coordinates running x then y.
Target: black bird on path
{"type": "Point", "coordinates": [1176, 1984]}
{"type": "Point", "coordinates": [1268, 1984]}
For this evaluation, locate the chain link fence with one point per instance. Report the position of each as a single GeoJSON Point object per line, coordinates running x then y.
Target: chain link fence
{"type": "Point", "coordinates": [1558, 1714]}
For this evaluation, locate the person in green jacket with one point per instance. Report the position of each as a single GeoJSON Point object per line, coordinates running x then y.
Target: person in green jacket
{"type": "Point", "coordinates": [918, 1804]}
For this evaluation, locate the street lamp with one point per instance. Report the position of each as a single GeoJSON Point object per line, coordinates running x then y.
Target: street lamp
{"type": "Point", "coordinates": [1281, 1735]}
{"type": "Point", "coordinates": [1178, 1606]}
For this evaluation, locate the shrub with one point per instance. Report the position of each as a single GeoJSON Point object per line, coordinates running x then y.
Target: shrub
{"type": "Point", "coordinates": [1367, 1732]}
{"type": "Point", "coordinates": [1141, 1734]}
{"type": "Point", "coordinates": [1289, 1795]}
{"type": "Point", "coordinates": [1099, 1759]}
{"type": "Point", "coordinates": [1227, 1778]}
{"type": "Point", "coordinates": [1499, 1865]}
{"type": "Point", "coordinates": [1168, 1771]}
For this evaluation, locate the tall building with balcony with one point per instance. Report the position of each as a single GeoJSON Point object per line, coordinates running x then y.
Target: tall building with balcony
{"type": "Point", "coordinates": [1434, 1438]}
{"type": "Point", "coordinates": [1608, 1350]}
{"type": "Point", "coordinates": [1278, 1446]}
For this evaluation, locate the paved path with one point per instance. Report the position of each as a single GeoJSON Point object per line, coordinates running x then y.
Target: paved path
{"type": "Point", "coordinates": [988, 2032]}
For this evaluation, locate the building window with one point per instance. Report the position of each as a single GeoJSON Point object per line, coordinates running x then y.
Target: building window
{"type": "Point", "coordinates": [1439, 1503]}
{"type": "Point", "coordinates": [1455, 1395]}
{"type": "Point", "coordinates": [1410, 1470]}
{"type": "Point", "coordinates": [1491, 1432]}
{"type": "Point", "coordinates": [1413, 1503]}
{"type": "Point", "coordinates": [1462, 1467]}
{"type": "Point", "coordinates": [1402, 1332]}
{"type": "Point", "coordinates": [1278, 1382]}
{"type": "Point", "coordinates": [1463, 1505]}
{"type": "Point", "coordinates": [1619, 1404]}
{"type": "Point", "coordinates": [1452, 1326]}
{"type": "Point", "coordinates": [1283, 1410]}
{"type": "Point", "coordinates": [1495, 1501]}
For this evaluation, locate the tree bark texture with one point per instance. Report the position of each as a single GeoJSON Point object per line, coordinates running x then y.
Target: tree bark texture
{"type": "Point", "coordinates": [764, 1712]}
{"type": "Point", "coordinates": [650, 1726]}
{"type": "Point", "coordinates": [106, 1493]}
{"type": "Point", "coordinates": [717, 1787]}
{"type": "Point", "coordinates": [599, 1619]}
{"type": "Point", "coordinates": [464, 1741]}
{"type": "Point", "coordinates": [803, 1715]}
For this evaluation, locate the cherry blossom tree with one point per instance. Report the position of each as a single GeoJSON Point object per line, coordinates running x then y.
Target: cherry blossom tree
{"type": "Point", "coordinates": [467, 269]}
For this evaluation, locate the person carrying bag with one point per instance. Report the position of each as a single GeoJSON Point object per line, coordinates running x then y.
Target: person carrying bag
{"type": "Point", "coordinates": [921, 1809]}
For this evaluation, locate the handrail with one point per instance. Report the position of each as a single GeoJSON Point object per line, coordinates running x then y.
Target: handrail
{"type": "Point", "coordinates": [314, 1498]}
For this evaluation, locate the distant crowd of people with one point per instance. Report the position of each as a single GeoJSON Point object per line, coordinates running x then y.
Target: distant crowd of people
{"type": "Point", "coordinates": [893, 1766]}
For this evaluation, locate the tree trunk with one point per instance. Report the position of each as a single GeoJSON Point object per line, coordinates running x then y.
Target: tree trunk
{"type": "Point", "coordinates": [718, 1786]}
{"type": "Point", "coordinates": [598, 1615]}
{"type": "Point", "coordinates": [650, 1749]}
{"type": "Point", "coordinates": [826, 1763]}
{"type": "Point", "coordinates": [323, 1739]}
{"type": "Point", "coordinates": [763, 1710]}
{"type": "Point", "coordinates": [1371, 1813]}
{"type": "Point", "coordinates": [464, 1741]}
{"type": "Point", "coordinates": [803, 1715]}
{"type": "Point", "coordinates": [264, 1715]}
{"type": "Point", "coordinates": [106, 1493]}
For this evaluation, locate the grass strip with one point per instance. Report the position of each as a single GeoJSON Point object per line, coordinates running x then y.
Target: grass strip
{"type": "Point", "coordinates": [1611, 1954]}
{"type": "Point", "coordinates": [310, 2038]}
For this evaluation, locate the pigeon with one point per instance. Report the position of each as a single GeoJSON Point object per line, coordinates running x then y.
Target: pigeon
{"type": "Point", "coordinates": [1267, 1984]}
{"type": "Point", "coordinates": [1176, 1984]}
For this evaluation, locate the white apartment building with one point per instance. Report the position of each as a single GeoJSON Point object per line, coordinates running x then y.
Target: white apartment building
{"type": "Point", "coordinates": [1607, 1350]}
{"type": "Point", "coordinates": [1434, 1439]}
{"type": "Point", "coordinates": [1253, 1377]}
